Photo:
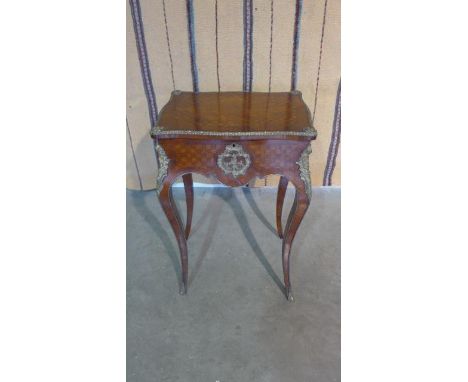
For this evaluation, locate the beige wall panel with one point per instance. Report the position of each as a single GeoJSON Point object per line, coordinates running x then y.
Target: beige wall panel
{"type": "Point", "coordinates": [138, 119]}
{"type": "Point", "coordinates": [283, 34]}
{"type": "Point", "coordinates": [272, 180]}
{"type": "Point", "coordinates": [261, 45]}
{"type": "Point", "coordinates": [178, 35]}
{"type": "Point", "coordinates": [336, 177]}
{"type": "Point", "coordinates": [205, 35]}
{"type": "Point", "coordinates": [158, 51]}
{"type": "Point", "coordinates": [230, 43]}
{"type": "Point", "coordinates": [308, 62]}
{"type": "Point", "coordinates": [309, 48]}
{"type": "Point", "coordinates": [133, 182]}
{"type": "Point", "coordinates": [328, 86]}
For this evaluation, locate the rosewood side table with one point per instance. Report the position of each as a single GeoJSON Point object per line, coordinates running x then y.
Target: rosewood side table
{"type": "Point", "coordinates": [234, 137]}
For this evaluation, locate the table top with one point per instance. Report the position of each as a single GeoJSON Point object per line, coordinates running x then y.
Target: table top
{"type": "Point", "coordinates": [235, 114]}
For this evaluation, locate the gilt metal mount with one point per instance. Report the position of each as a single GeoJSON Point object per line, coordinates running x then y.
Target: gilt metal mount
{"type": "Point", "coordinates": [304, 171]}
{"type": "Point", "coordinates": [234, 160]}
{"type": "Point", "coordinates": [163, 166]}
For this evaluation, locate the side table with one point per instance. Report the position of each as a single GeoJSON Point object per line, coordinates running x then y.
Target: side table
{"type": "Point", "coordinates": [234, 137]}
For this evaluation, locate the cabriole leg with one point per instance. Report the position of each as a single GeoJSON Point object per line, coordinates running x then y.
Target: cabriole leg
{"type": "Point", "coordinates": [282, 186]}
{"type": "Point", "coordinates": [188, 185]}
{"type": "Point", "coordinates": [298, 210]}
{"type": "Point", "coordinates": [170, 209]}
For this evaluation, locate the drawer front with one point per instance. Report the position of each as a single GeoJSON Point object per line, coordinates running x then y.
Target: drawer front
{"type": "Point", "coordinates": [234, 162]}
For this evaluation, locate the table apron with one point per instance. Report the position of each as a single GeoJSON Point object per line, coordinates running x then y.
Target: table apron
{"type": "Point", "coordinates": [233, 162]}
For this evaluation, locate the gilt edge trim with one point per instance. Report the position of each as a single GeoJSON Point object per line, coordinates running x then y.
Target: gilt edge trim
{"type": "Point", "coordinates": [158, 131]}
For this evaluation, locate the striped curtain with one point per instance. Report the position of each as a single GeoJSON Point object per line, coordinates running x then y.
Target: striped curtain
{"type": "Point", "coordinates": [233, 45]}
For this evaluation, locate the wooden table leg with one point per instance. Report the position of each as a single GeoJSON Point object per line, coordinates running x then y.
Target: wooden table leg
{"type": "Point", "coordinates": [282, 186]}
{"type": "Point", "coordinates": [170, 209]}
{"type": "Point", "coordinates": [298, 210]}
{"type": "Point", "coordinates": [188, 185]}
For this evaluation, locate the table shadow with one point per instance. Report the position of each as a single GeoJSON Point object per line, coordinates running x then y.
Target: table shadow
{"type": "Point", "coordinates": [229, 196]}
{"type": "Point", "coordinates": [213, 212]}
{"type": "Point", "coordinates": [140, 203]}
{"type": "Point", "coordinates": [213, 209]}
{"type": "Point", "coordinates": [253, 205]}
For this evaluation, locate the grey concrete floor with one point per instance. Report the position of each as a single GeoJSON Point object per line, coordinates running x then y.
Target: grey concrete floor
{"type": "Point", "coordinates": [235, 323]}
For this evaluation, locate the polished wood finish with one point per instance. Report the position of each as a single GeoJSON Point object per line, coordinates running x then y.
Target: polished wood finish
{"type": "Point", "coordinates": [299, 208]}
{"type": "Point", "coordinates": [188, 185]}
{"type": "Point", "coordinates": [170, 209]}
{"type": "Point", "coordinates": [279, 153]}
{"type": "Point", "coordinates": [235, 111]}
{"type": "Point", "coordinates": [282, 186]}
